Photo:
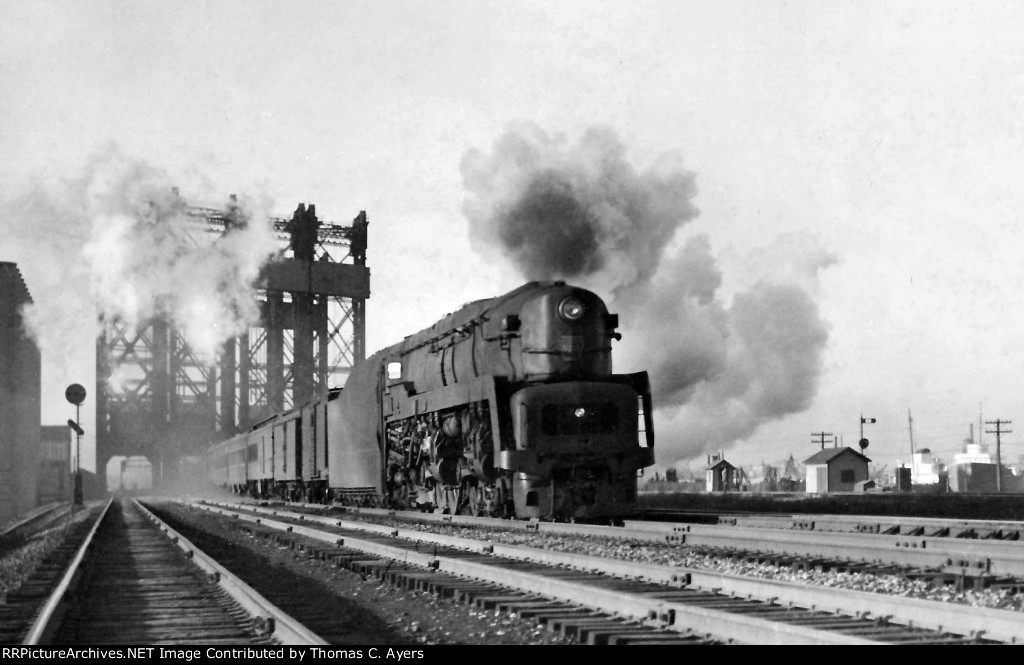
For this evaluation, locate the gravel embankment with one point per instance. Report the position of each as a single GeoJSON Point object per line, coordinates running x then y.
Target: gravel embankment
{"type": "Point", "coordinates": [20, 556]}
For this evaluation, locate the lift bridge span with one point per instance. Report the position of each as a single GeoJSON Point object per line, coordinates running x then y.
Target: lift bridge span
{"type": "Point", "coordinates": [311, 333]}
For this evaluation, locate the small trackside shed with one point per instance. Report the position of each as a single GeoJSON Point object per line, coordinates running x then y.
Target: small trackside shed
{"type": "Point", "coordinates": [721, 477]}
{"type": "Point", "coordinates": [835, 470]}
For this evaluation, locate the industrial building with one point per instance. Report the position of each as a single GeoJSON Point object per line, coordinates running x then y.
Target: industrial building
{"type": "Point", "coordinates": [974, 470]}
{"type": "Point", "coordinates": [20, 399]}
{"type": "Point", "coordinates": [55, 464]}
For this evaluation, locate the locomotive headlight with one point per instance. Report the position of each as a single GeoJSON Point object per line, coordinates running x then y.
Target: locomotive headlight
{"type": "Point", "coordinates": [580, 412]}
{"type": "Point", "coordinates": [571, 309]}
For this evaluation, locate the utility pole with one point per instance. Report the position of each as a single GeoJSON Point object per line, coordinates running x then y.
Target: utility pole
{"type": "Point", "coordinates": [821, 435]}
{"type": "Point", "coordinates": [999, 463]}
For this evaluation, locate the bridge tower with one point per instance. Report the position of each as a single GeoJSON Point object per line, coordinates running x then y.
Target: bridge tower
{"type": "Point", "coordinates": [168, 404]}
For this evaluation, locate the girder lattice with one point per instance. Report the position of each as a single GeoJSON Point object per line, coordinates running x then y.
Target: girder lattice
{"type": "Point", "coordinates": [157, 398]}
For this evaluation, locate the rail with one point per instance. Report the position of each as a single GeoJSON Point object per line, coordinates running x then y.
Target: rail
{"type": "Point", "coordinates": [44, 623]}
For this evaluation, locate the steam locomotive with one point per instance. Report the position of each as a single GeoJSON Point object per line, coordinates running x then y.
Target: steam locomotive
{"type": "Point", "coordinates": [507, 407]}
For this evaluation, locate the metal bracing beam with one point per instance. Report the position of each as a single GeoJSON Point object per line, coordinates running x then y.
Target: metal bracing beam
{"type": "Point", "coordinates": [216, 222]}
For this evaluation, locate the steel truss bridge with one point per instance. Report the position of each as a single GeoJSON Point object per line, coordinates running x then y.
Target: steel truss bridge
{"type": "Point", "coordinates": [159, 399]}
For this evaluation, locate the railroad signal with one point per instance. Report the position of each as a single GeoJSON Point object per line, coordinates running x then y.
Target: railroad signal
{"type": "Point", "coordinates": [75, 394]}
{"type": "Point", "coordinates": [78, 430]}
{"type": "Point", "coordinates": [863, 443]}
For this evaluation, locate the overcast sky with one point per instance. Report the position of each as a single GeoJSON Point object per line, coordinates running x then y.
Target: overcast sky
{"type": "Point", "coordinates": [866, 156]}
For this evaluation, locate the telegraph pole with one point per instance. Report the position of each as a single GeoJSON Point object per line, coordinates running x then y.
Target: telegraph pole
{"type": "Point", "coordinates": [821, 435]}
{"type": "Point", "coordinates": [999, 464]}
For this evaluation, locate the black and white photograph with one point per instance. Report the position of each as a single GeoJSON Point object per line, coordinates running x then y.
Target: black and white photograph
{"type": "Point", "coordinates": [352, 329]}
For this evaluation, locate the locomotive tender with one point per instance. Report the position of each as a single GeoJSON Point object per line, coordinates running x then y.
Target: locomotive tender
{"type": "Point", "coordinates": [506, 407]}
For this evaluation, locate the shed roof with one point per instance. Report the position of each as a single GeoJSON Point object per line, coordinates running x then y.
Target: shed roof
{"type": "Point", "coordinates": [720, 463]}
{"type": "Point", "coordinates": [828, 454]}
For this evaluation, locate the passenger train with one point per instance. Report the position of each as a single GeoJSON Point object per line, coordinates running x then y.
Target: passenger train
{"type": "Point", "coordinates": [507, 407]}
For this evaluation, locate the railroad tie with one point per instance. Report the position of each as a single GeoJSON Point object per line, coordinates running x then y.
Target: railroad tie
{"type": "Point", "coordinates": [494, 602]}
{"type": "Point", "coordinates": [604, 635]}
{"type": "Point", "coordinates": [657, 637]}
{"type": "Point", "coordinates": [545, 610]}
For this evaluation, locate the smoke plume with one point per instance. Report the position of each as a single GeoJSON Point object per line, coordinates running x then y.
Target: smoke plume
{"type": "Point", "coordinates": [581, 212]}
{"type": "Point", "coordinates": [119, 239]}
{"type": "Point", "coordinates": [574, 212]}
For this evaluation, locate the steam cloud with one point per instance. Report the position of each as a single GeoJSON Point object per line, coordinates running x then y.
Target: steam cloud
{"type": "Point", "coordinates": [583, 213]}
{"type": "Point", "coordinates": [120, 238]}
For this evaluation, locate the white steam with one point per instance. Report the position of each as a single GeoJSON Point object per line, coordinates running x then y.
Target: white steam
{"type": "Point", "coordinates": [118, 242]}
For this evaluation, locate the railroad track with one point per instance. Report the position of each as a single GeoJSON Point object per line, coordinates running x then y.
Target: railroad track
{"type": "Point", "coordinates": [21, 606]}
{"type": "Point", "coordinates": [132, 580]}
{"type": "Point", "coordinates": [14, 533]}
{"type": "Point", "coordinates": [984, 561]}
{"type": "Point", "coordinates": [967, 563]}
{"type": "Point", "coordinates": [933, 527]}
{"type": "Point", "coordinates": [609, 601]}
{"type": "Point", "coordinates": [977, 563]}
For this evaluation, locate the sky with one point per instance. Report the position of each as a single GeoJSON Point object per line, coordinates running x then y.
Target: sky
{"type": "Point", "coordinates": [803, 212]}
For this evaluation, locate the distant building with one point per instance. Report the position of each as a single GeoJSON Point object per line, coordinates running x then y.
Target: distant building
{"type": "Point", "coordinates": [721, 476]}
{"type": "Point", "coordinates": [835, 470]}
{"type": "Point", "coordinates": [974, 470]}
{"type": "Point", "coordinates": [925, 468]}
{"type": "Point", "coordinates": [20, 399]}
{"type": "Point", "coordinates": [55, 470]}
{"type": "Point", "coordinates": [973, 452]}
{"type": "Point", "coordinates": [763, 478]}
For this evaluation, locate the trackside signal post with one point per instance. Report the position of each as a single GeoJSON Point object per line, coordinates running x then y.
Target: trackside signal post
{"type": "Point", "coordinates": [863, 443]}
{"type": "Point", "coordinates": [75, 394]}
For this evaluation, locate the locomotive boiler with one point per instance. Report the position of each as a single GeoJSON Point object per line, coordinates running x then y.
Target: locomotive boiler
{"type": "Point", "coordinates": [506, 407]}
